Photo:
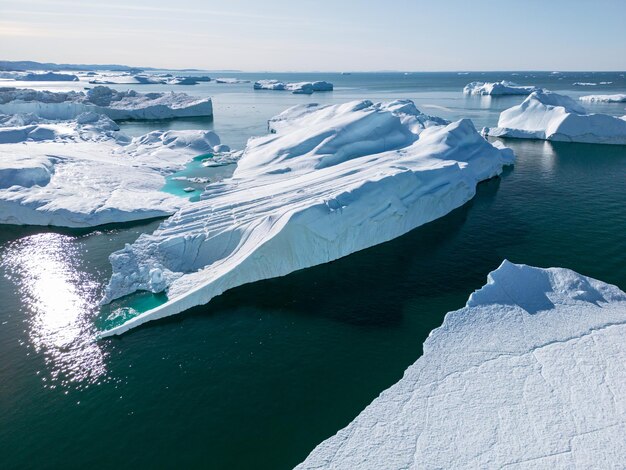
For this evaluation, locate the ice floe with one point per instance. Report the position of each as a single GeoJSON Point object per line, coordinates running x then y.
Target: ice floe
{"type": "Point", "coordinates": [550, 116]}
{"type": "Point", "coordinates": [529, 374]}
{"type": "Point", "coordinates": [328, 181]}
{"type": "Point", "coordinates": [114, 104]}
{"type": "Point", "coordinates": [498, 88]}
{"type": "Point", "coordinates": [617, 98]}
{"type": "Point", "coordinates": [304, 88]}
{"type": "Point", "coordinates": [85, 172]}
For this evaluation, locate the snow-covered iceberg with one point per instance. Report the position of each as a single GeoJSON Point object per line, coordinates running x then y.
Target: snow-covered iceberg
{"type": "Point", "coordinates": [498, 88]}
{"type": "Point", "coordinates": [85, 172]}
{"type": "Point", "coordinates": [145, 79]}
{"type": "Point", "coordinates": [114, 104]}
{"type": "Point", "coordinates": [617, 98]}
{"type": "Point", "coordinates": [328, 181]}
{"type": "Point", "coordinates": [46, 77]}
{"type": "Point", "coordinates": [550, 116]}
{"type": "Point", "coordinates": [529, 374]}
{"type": "Point", "coordinates": [231, 81]}
{"type": "Point", "coordinates": [304, 88]}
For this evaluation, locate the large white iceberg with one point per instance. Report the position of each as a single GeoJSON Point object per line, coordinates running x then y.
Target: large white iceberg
{"type": "Point", "coordinates": [498, 88]}
{"type": "Point", "coordinates": [530, 374]}
{"type": "Point", "coordinates": [329, 181]}
{"type": "Point", "coordinates": [114, 104]}
{"type": "Point", "coordinates": [85, 172]}
{"type": "Point", "coordinates": [617, 98]}
{"type": "Point", "coordinates": [550, 116]}
{"type": "Point", "coordinates": [303, 88]}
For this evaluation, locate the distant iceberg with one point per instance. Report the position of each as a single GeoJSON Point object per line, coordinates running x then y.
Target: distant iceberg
{"type": "Point", "coordinates": [617, 98]}
{"type": "Point", "coordinates": [114, 104]}
{"type": "Point", "coordinates": [84, 172]}
{"type": "Point", "coordinates": [550, 116]}
{"type": "Point", "coordinates": [584, 84]}
{"type": "Point", "coordinates": [529, 374]}
{"type": "Point", "coordinates": [145, 79]}
{"type": "Point", "coordinates": [231, 81]}
{"type": "Point", "coordinates": [305, 88]}
{"type": "Point", "coordinates": [498, 88]}
{"type": "Point", "coordinates": [328, 181]}
{"type": "Point", "coordinates": [46, 77]}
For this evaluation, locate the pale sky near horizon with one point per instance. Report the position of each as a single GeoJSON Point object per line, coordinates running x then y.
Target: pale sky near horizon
{"type": "Point", "coordinates": [324, 35]}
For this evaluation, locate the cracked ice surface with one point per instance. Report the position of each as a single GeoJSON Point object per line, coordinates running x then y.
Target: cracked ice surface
{"type": "Point", "coordinates": [531, 373]}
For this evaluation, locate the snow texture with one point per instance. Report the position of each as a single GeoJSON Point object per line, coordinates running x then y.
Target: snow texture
{"type": "Point", "coordinates": [529, 374]}
{"type": "Point", "coordinates": [117, 105]}
{"type": "Point", "coordinates": [550, 116]}
{"type": "Point", "coordinates": [328, 181]}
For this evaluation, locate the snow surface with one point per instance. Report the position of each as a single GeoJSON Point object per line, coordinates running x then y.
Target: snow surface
{"type": "Point", "coordinates": [85, 172]}
{"type": "Point", "coordinates": [617, 98]}
{"type": "Point", "coordinates": [498, 88]}
{"type": "Point", "coordinates": [328, 181]}
{"type": "Point", "coordinates": [530, 374]}
{"type": "Point", "coordinates": [550, 116]}
{"type": "Point", "coordinates": [114, 104]}
{"type": "Point", "coordinates": [302, 88]}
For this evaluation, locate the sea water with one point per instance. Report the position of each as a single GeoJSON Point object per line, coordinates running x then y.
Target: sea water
{"type": "Point", "coordinates": [263, 373]}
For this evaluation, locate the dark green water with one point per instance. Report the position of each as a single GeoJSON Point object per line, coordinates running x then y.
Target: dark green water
{"type": "Point", "coordinates": [265, 372]}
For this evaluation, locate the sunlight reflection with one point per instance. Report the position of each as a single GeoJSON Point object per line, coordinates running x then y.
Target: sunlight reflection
{"type": "Point", "coordinates": [61, 304]}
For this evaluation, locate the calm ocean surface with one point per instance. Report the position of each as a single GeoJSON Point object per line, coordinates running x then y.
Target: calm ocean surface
{"type": "Point", "coordinates": [263, 373]}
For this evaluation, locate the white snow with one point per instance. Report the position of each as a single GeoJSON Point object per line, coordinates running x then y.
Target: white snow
{"type": "Point", "coordinates": [329, 181]}
{"type": "Point", "coordinates": [114, 104]}
{"type": "Point", "coordinates": [85, 172]}
{"type": "Point", "coordinates": [305, 88]}
{"type": "Point", "coordinates": [498, 88]}
{"type": "Point", "coordinates": [550, 116]}
{"type": "Point", "coordinates": [531, 373]}
{"type": "Point", "coordinates": [617, 98]}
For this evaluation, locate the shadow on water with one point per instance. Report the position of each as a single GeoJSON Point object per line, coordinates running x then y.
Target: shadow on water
{"type": "Point", "coordinates": [430, 261]}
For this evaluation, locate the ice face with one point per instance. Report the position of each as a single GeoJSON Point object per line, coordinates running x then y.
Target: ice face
{"type": "Point", "coordinates": [530, 374]}
{"type": "Point", "coordinates": [550, 116]}
{"type": "Point", "coordinates": [329, 181]}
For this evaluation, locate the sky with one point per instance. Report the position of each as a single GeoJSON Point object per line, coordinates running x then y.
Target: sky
{"type": "Point", "coordinates": [319, 35]}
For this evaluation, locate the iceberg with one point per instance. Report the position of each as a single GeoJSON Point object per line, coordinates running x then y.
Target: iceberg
{"type": "Point", "coordinates": [529, 374]}
{"type": "Point", "coordinates": [117, 105]}
{"type": "Point", "coordinates": [85, 172]}
{"type": "Point", "coordinates": [47, 77]}
{"type": "Point", "coordinates": [305, 88]}
{"type": "Point", "coordinates": [617, 98]}
{"type": "Point", "coordinates": [326, 182]}
{"type": "Point", "coordinates": [498, 88]}
{"type": "Point", "coordinates": [584, 84]}
{"type": "Point", "coordinates": [550, 116]}
{"type": "Point", "coordinates": [231, 81]}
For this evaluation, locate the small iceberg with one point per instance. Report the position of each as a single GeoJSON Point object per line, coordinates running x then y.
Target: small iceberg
{"type": "Point", "coordinates": [529, 374]}
{"type": "Point", "coordinates": [326, 182]}
{"type": "Point", "coordinates": [85, 172]}
{"type": "Point", "coordinates": [584, 84]}
{"type": "Point", "coordinates": [117, 105]}
{"type": "Point", "coordinates": [303, 88]}
{"type": "Point", "coordinates": [550, 116]}
{"type": "Point", "coordinates": [498, 88]}
{"type": "Point", "coordinates": [617, 98]}
{"type": "Point", "coordinates": [231, 81]}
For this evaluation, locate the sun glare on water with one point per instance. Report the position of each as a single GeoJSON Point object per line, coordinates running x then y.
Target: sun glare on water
{"type": "Point", "coordinates": [60, 304]}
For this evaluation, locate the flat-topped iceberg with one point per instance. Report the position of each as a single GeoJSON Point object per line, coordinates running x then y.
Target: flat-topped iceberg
{"type": "Point", "coordinates": [498, 88]}
{"type": "Point", "coordinates": [328, 181]}
{"type": "Point", "coordinates": [305, 88]}
{"type": "Point", "coordinates": [617, 98]}
{"type": "Point", "coordinates": [84, 172]}
{"type": "Point", "coordinates": [231, 81]}
{"type": "Point", "coordinates": [550, 116]}
{"type": "Point", "coordinates": [46, 77]}
{"type": "Point", "coordinates": [114, 104]}
{"type": "Point", "coordinates": [529, 374]}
